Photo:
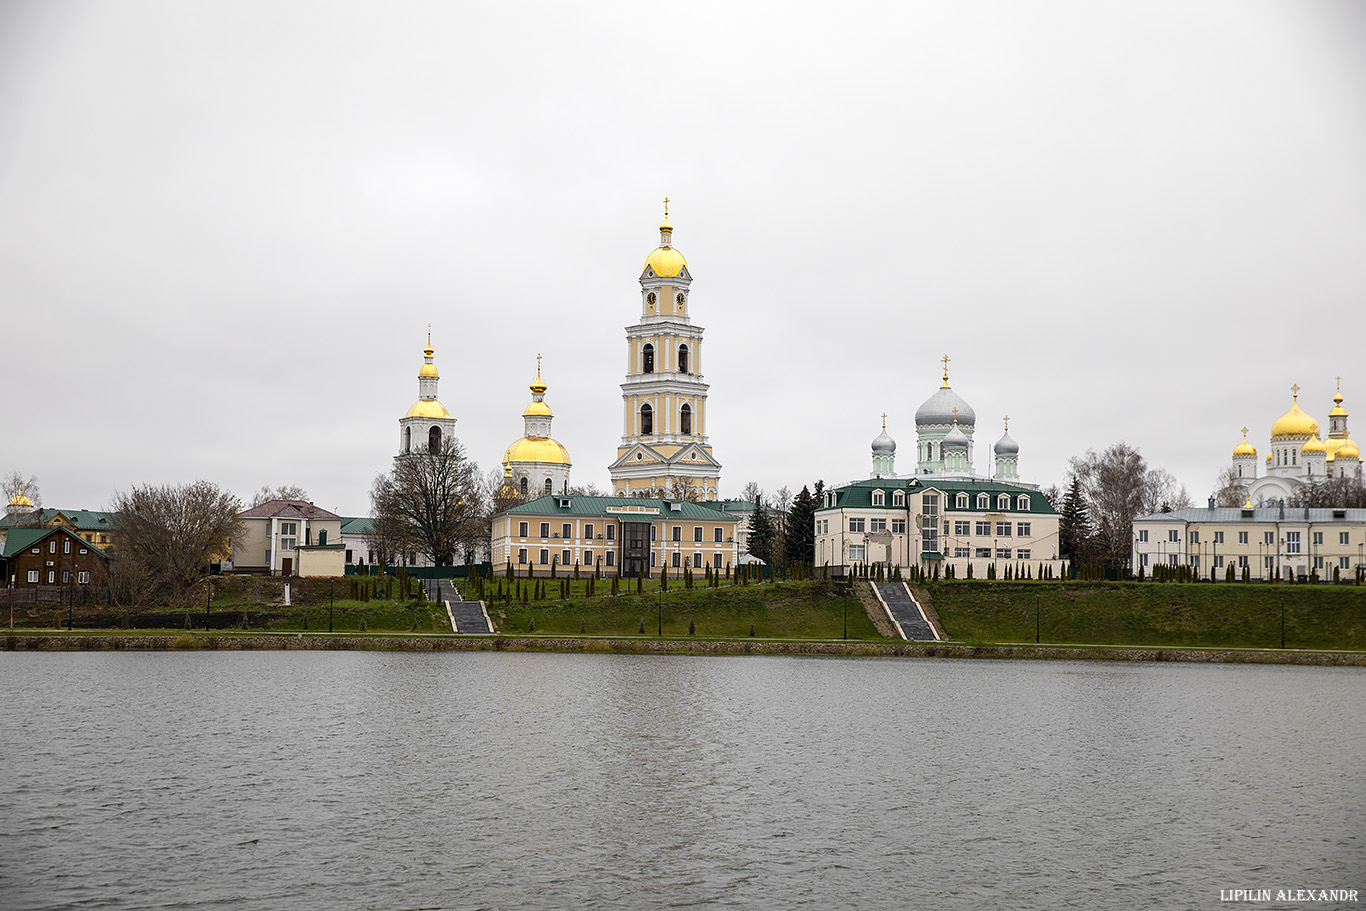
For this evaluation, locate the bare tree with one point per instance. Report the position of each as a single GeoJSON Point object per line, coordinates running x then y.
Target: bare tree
{"type": "Point", "coordinates": [1162, 492]}
{"type": "Point", "coordinates": [434, 497]}
{"type": "Point", "coordinates": [1229, 489]}
{"type": "Point", "coordinates": [171, 532]}
{"type": "Point", "coordinates": [680, 489]}
{"type": "Point", "coordinates": [752, 492]}
{"type": "Point", "coordinates": [14, 485]}
{"type": "Point", "coordinates": [1114, 485]}
{"type": "Point", "coordinates": [389, 534]}
{"type": "Point", "coordinates": [1342, 493]}
{"type": "Point", "coordinates": [587, 490]}
{"type": "Point", "coordinates": [283, 492]}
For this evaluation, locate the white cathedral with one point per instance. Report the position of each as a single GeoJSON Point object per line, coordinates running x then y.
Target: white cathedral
{"type": "Point", "coordinates": [1297, 455]}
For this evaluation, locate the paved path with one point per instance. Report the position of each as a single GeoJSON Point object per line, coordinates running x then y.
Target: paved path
{"type": "Point", "coordinates": [468, 615]}
{"type": "Point", "coordinates": [905, 611]}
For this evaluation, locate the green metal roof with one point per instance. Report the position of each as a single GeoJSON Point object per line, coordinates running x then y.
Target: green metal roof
{"type": "Point", "coordinates": [357, 525]}
{"type": "Point", "coordinates": [18, 540]}
{"type": "Point", "coordinates": [859, 494]}
{"type": "Point", "coordinates": [549, 505]}
{"type": "Point", "coordinates": [83, 519]}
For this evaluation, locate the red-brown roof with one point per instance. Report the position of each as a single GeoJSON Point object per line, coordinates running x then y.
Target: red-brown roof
{"type": "Point", "coordinates": [287, 509]}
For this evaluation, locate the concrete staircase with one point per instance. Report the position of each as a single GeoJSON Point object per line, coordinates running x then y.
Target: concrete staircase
{"type": "Point", "coordinates": [466, 616]}
{"type": "Point", "coordinates": [907, 616]}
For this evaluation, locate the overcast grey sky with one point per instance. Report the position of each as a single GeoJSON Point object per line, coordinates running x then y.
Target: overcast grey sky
{"type": "Point", "coordinates": [224, 228]}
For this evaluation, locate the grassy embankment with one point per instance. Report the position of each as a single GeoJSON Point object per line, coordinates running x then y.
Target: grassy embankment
{"type": "Point", "coordinates": [1154, 614]}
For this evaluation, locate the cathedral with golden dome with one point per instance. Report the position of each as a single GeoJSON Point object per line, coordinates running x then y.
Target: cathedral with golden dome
{"type": "Point", "coordinates": [664, 449]}
{"type": "Point", "coordinates": [537, 464]}
{"type": "Point", "coordinates": [428, 424]}
{"type": "Point", "coordinates": [1297, 455]}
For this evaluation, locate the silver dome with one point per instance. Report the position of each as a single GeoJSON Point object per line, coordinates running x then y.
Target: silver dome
{"type": "Point", "coordinates": [956, 438]}
{"type": "Point", "coordinates": [938, 409]}
{"type": "Point", "coordinates": [1006, 446]}
{"type": "Point", "coordinates": [884, 443]}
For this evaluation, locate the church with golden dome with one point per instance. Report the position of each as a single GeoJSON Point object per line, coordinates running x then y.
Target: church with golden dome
{"type": "Point", "coordinates": [537, 464]}
{"type": "Point", "coordinates": [427, 424]}
{"type": "Point", "coordinates": [1297, 455]}
{"type": "Point", "coordinates": [664, 449]}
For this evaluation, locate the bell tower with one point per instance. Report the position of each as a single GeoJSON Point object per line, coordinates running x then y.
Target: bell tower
{"type": "Point", "coordinates": [664, 449]}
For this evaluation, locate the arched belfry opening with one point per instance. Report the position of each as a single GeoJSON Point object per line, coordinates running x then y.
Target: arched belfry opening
{"type": "Point", "coordinates": [685, 419]}
{"type": "Point", "coordinates": [434, 439]}
{"type": "Point", "coordinates": [647, 359]}
{"type": "Point", "coordinates": [682, 358]}
{"type": "Point", "coordinates": [407, 439]}
{"type": "Point", "coordinates": [647, 419]}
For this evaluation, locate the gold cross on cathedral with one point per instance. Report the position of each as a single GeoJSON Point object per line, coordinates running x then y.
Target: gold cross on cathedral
{"type": "Point", "coordinates": [945, 359]}
{"type": "Point", "coordinates": [666, 207]}
{"type": "Point", "coordinates": [538, 363]}
{"type": "Point", "coordinates": [1295, 390]}
{"type": "Point", "coordinates": [884, 420]}
{"type": "Point", "coordinates": [1007, 421]}
{"type": "Point", "coordinates": [1244, 433]}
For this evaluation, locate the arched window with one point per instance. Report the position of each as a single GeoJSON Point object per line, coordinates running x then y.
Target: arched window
{"type": "Point", "coordinates": [523, 486]}
{"type": "Point", "coordinates": [407, 439]}
{"type": "Point", "coordinates": [983, 501]}
{"type": "Point", "coordinates": [434, 439]}
{"type": "Point", "coordinates": [648, 359]}
{"type": "Point", "coordinates": [1003, 501]}
{"type": "Point", "coordinates": [647, 419]}
{"type": "Point", "coordinates": [549, 486]}
{"type": "Point", "coordinates": [682, 358]}
{"type": "Point", "coordinates": [879, 499]}
{"type": "Point", "coordinates": [898, 498]}
{"type": "Point", "coordinates": [685, 419]}
{"type": "Point", "coordinates": [1022, 503]}
{"type": "Point", "coordinates": [962, 501]}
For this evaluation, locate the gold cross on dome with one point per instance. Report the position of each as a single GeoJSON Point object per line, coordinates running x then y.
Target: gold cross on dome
{"type": "Point", "coordinates": [666, 207]}
{"type": "Point", "coordinates": [884, 420]}
{"type": "Point", "coordinates": [538, 363]}
{"type": "Point", "coordinates": [1245, 433]}
{"type": "Point", "coordinates": [1295, 390]}
{"type": "Point", "coordinates": [1007, 420]}
{"type": "Point", "coordinates": [1339, 379]}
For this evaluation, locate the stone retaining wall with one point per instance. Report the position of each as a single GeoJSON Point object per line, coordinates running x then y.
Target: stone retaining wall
{"type": "Point", "coordinates": [58, 642]}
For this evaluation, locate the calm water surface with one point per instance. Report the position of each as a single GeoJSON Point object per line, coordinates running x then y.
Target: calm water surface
{"type": "Point", "coordinates": [273, 780]}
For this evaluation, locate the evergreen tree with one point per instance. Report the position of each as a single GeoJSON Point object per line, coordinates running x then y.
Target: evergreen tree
{"type": "Point", "coordinates": [761, 532]}
{"type": "Point", "coordinates": [800, 543]}
{"type": "Point", "coordinates": [1075, 535]}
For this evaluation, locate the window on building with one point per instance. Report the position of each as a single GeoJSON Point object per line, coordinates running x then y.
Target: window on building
{"type": "Point", "coordinates": [929, 504]}
{"type": "Point", "coordinates": [288, 543]}
{"type": "Point", "coordinates": [898, 526]}
{"type": "Point", "coordinates": [1242, 537]}
{"type": "Point", "coordinates": [521, 555]}
{"type": "Point", "coordinates": [407, 439]}
{"type": "Point", "coordinates": [697, 533]}
{"type": "Point", "coordinates": [545, 557]}
{"type": "Point", "coordinates": [678, 533]}
{"type": "Point", "coordinates": [878, 498]}
{"type": "Point", "coordinates": [1003, 553]}
{"type": "Point", "coordinates": [566, 558]}
{"type": "Point", "coordinates": [1022, 503]}
{"type": "Point", "coordinates": [434, 440]}
{"type": "Point", "coordinates": [588, 558]}
{"type": "Point", "coordinates": [1171, 560]}
{"type": "Point", "coordinates": [51, 577]}
{"type": "Point", "coordinates": [647, 420]}
{"type": "Point", "coordinates": [1218, 537]}
{"type": "Point", "coordinates": [521, 529]}
{"type": "Point", "coordinates": [1268, 562]}
{"type": "Point", "coordinates": [1344, 562]}
{"type": "Point", "coordinates": [1023, 529]}
{"type": "Point", "coordinates": [545, 529]}
{"type": "Point", "coordinates": [983, 501]}
{"type": "Point", "coordinates": [588, 530]}
{"type": "Point", "coordinates": [66, 545]}
{"type": "Point", "coordinates": [929, 539]}
{"type": "Point", "coordinates": [983, 553]}
{"type": "Point", "coordinates": [567, 530]}
{"type": "Point", "coordinates": [716, 560]}
{"type": "Point", "coordinates": [1003, 502]}
{"type": "Point", "coordinates": [962, 551]}
{"type": "Point", "coordinates": [52, 546]}
{"type": "Point", "coordinates": [1292, 542]}
{"type": "Point", "coordinates": [898, 498]}
{"type": "Point", "coordinates": [33, 576]}
{"type": "Point", "coordinates": [1218, 561]}
{"type": "Point", "coordinates": [1318, 564]}
{"type": "Point", "coordinates": [877, 524]}
{"type": "Point", "coordinates": [1143, 536]}
{"type": "Point", "coordinates": [683, 361]}
{"type": "Point", "coordinates": [37, 550]}
{"type": "Point", "coordinates": [82, 578]}
{"type": "Point", "coordinates": [857, 553]}
{"type": "Point", "coordinates": [697, 560]}
{"type": "Point", "coordinates": [653, 531]}
{"type": "Point", "coordinates": [549, 486]}
{"type": "Point", "coordinates": [855, 524]}
{"type": "Point", "coordinates": [611, 558]}
{"type": "Point", "coordinates": [1242, 561]}
{"type": "Point", "coordinates": [1269, 537]}
{"type": "Point", "coordinates": [1003, 529]}
{"type": "Point", "coordinates": [652, 558]}
{"type": "Point", "coordinates": [647, 363]}
{"type": "Point", "coordinates": [983, 529]}
{"type": "Point", "coordinates": [1174, 536]}
{"type": "Point", "coordinates": [66, 577]}
{"type": "Point", "coordinates": [718, 533]}
{"type": "Point", "coordinates": [611, 532]}
{"type": "Point", "coordinates": [961, 501]}
{"type": "Point", "coordinates": [677, 559]}
{"type": "Point", "coordinates": [1195, 537]}
{"type": "Point", "coordinates": [1342, 537]}
{"type": "Point", "coordinates": [685, 419]}
{"type": "Point", "coordinates": [1318, 538]}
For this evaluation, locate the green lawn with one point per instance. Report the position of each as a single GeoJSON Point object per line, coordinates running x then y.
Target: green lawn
{"type": "Point", "coordinates": [1170, 614]}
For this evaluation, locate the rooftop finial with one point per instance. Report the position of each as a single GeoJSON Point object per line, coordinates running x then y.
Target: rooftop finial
{"type": "Point", "coordinates": [945, 359]}
{"type": "Point", "coordinates": [1295, 391]}
{"type": "Point", "coordinates": [665, 229]}
{"type": "Point", "coordinates": [884, 420]}
{"type": "Point", "coordinates": [428, 350]}
{"type": "Point", "coordinates": [1007, 421]}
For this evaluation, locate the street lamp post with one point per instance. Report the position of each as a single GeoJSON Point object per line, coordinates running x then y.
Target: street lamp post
{"type": "Point", "coordinates": [330, 583]}
{"type": "Point", "coordinates": [208, 598]}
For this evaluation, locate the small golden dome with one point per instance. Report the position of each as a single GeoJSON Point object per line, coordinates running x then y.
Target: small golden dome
{"type": "Point", "coordinates": [538, 384]}
{"type": "Point", "coordinates": [1294, 423]}
{"type": "Point", "coordinates": [1313, 446]}
{"type": "Point", "coordinates": [534, 449]}
{"type": "Point", "coordinates": [1349, 450]}
{"type": "Point", "coordinates": [1332, 445]}
{"type": "Point", "coordinates": [20, 499]}
{"type": "Point", "coordinates": [427, 370]}
{"type": "Point", "coordinates": [1245, 448]}
{"type": "Point", "coordinates": [666, 261]}
{"type": "Point", "coordinates": [538, 409]}
{"type": "Point", "coordinates": [427, 408]}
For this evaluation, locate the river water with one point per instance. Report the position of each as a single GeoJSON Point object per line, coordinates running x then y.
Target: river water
{"type": "Point", "coordinates": [334, 780]}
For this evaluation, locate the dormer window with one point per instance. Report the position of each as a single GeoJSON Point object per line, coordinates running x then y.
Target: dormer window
{"type": "Point", "coordinates": [1003, 501]}
{"type": "Point", "coordinates": [1022, 503]}
{"type": "Point", "coordinates": [898, 498]}
{"type": "Point", "coordinates": [961, 501]}
{"type": "Point", "coordinates": [879, 499]}
{"type": "Point", "coordinates": [983, 501]}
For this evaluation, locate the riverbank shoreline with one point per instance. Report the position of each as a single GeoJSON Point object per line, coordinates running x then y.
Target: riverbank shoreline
{"type": "Point", "coordinates": [83, 641]}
